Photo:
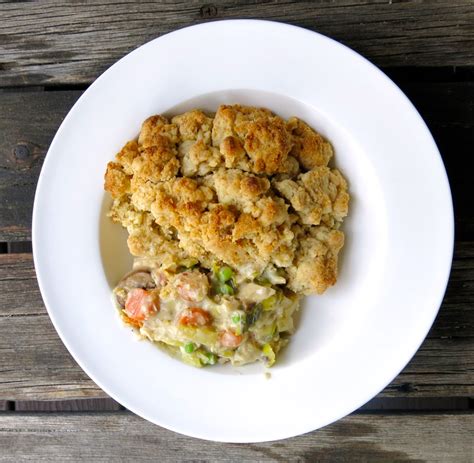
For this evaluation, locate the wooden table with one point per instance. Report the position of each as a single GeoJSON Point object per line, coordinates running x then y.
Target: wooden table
{"type": "Point", "coordinates": [49, 55]}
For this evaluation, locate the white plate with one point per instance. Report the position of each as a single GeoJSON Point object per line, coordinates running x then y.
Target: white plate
{"type": "Point", "coordinates": [352, 341]}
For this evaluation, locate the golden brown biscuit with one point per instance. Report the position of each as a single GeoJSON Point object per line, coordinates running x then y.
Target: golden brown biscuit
{"type": "Point", "coordinates": [157, 126]}
{"type": "Point", "coordinates": [315, 266]}
{"type": "Point", "coordinates": [116, 181]}
{"type": "Point", "coordinates": [309, 147]}
{"type": "Point", "coordinates": [194, 125]}
{"type": "Point", "coordinates": [318, 195]}
{"type": "Point", "coordinates": [253, 139]}
{"type": "Point", "coordinates": [126, 156]}
{"type": "Point", "coordinates": [198, 158]}
{"type": "Point", "coordinates": [156, 162]}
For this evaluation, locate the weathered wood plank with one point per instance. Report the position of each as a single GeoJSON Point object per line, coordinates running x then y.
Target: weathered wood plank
{"type": "Point", "coordinates": [35, 364]}
{"type": "Point", "coordinates": [73, 42]}
{"type": "Point", "coordinates": [31, 119]}
{"type": "Point", "coordinates": [442, 437]}
{"type": "Point", "coordinates": [27, 126]}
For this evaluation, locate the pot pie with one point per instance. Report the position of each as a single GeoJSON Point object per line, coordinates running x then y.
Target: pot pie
{"type": "Point", "coordinates": [231, 218]}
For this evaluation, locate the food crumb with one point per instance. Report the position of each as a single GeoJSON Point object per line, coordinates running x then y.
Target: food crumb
{"type": "Point", "coordinates": [268, 375]}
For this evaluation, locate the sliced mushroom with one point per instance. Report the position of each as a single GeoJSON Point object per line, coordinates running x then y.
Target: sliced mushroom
{"type": "Point", "coordinates": [137, 278]}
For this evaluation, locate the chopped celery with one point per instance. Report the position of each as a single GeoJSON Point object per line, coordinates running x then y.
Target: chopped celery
{"type": "Point", "coordinates": [192, 359]}
{"type": "Point", "coordinates": [269, 303]}
{"type": "Point", "coordinates": [202, 335]}
{"type": "Point", "coordinates": [285, 323]}
{"type": "Point", "coordinates": [262, 281]}
{"type": "Point", "coordinates": [269, 333]}
{"type": "Point", "coordinates": [215, 268]}
{"type": "Point", "coordinates": [269, 354]}
{"type": "Point", "coordinates": [254, 314]}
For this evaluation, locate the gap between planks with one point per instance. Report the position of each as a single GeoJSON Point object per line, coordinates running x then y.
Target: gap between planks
{"type": "Point", "coordinates": [378, 404]}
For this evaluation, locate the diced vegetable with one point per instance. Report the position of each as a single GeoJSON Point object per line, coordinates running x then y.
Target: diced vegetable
{"type": "Point", "coordinates": [226, 289]}
{"type": "Point", "coordinates": [215, 268]}
{"type": "Point", "coordinates": [209, 358]}
{"type": "Point", "coordinates": [268, 333]}
{"type": "Point", "coordinates": [230, 339]}
{"type": "Point", "coordinates": [269, 354]}
{"type": "Point", "coordinates": [189, 347]}
{"type": "Point", "coordinates": [192, 285]}
{"type": "Point", "coordinates": [224, 274]}
{"type": "Point", "coordinates": [201, 335]}
{"type": "Point", "coordinates": [262, 281]}
{"type": "Point", "coordinates": [269, 303]}
{"type": "Point", "coordinates": [254, 314]}
{"type": "Point", "coordinates": [285, 323]}
{"type": "Point", "coordinates": [195, 316]}
{"type": "Point", "coordinates": [236, 318]}
{"type": "Point", "coordinates": [129, 321]}
{"type": "Point", "coordinates": [140, 303]}
{"type": "Point", "coordinates": [192, 359]}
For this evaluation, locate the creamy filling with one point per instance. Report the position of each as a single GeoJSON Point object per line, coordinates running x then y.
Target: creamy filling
{"type": "Point", "coordinates": [204, 317]}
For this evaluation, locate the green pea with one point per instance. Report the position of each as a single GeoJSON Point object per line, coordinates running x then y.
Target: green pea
{"type": "Point", "coordinates": [211, 358]}
{"type": "Point", "coordinates": [236, 318]}
{"type": "Point", "coordinates": [224, 274]}
{"type": "Point", "coordinates": [226, 289]}
{"type": "Point", "coordinates": [189, 348]}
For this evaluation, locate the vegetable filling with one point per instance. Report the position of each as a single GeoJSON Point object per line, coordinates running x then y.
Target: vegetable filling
{"type": "Point", "coordinates": [206, 316]}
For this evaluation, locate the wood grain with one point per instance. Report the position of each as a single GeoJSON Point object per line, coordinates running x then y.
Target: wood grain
{"type": "Point", "coordinates": [31, 119]}
{"type": "Point", "coordinates": [73, 42]}
{"type": "Point", "coordinates": [35, 364]}
{"type": "Point", "coordinates": [121, 436]}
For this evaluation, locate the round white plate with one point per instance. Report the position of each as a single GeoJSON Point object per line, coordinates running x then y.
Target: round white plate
{"type": "Point", "coordinates": [352, 341]}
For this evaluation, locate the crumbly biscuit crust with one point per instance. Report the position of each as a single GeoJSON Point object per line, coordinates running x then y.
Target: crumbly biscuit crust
{"type": "Point", "coordinates": [244, 187]}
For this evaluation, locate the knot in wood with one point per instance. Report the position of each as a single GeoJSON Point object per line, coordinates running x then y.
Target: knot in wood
{"type": "Point", "coordinates": [21, 152]}
{"type": "Point", "coordinates": [208, 11]}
